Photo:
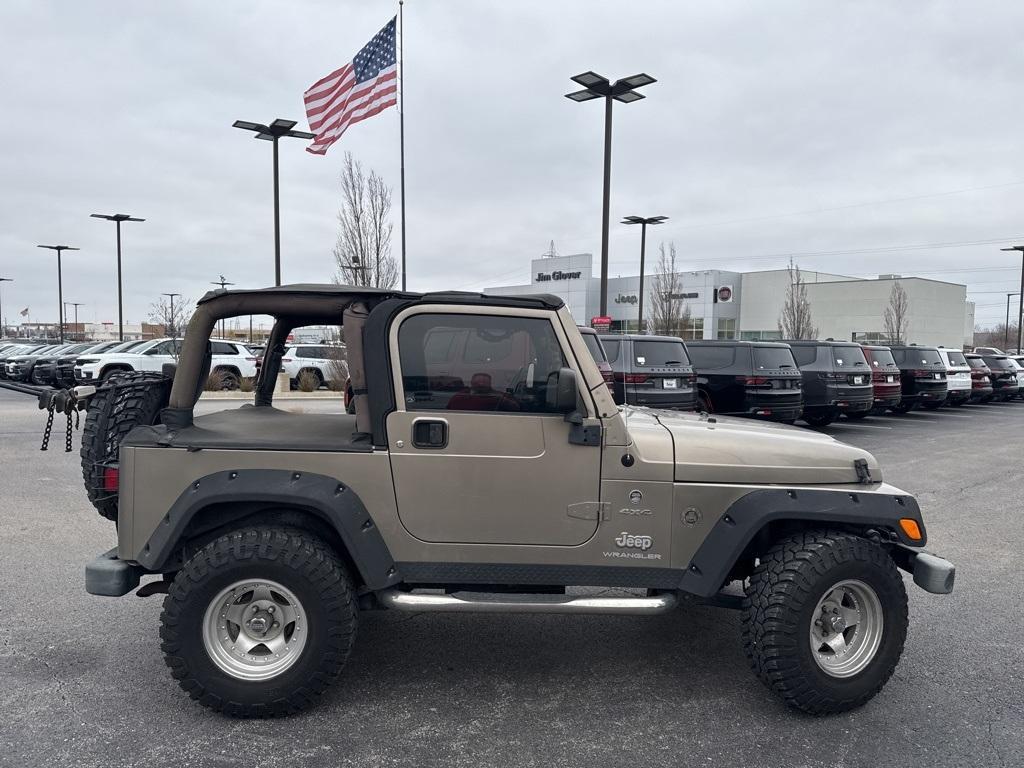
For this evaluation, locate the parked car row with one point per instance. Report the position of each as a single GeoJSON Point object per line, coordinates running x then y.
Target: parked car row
{"type": "Point", "coordinates": [816, 381]}
{"type": "Point", "coordinates": [70, 364]}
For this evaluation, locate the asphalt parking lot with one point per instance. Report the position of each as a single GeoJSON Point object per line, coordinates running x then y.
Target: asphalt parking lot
{"type": "Point", "coordinates": [84, 683]}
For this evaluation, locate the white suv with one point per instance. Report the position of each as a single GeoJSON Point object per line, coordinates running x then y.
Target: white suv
{"type": "Point", "coordinates": [958, 376]}
{"type": "Point", "coordinates": [1018, 360]}
{"type": "Point", "coordinates": [325, 361]}
{"type": "Point", "coordinates": [231, 360]}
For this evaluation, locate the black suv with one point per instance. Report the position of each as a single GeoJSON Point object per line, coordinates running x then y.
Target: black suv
{"type": "Point", "coordinates": [837, 379]}
{"type": "Point", "coordinates": [651, 370]}
{"type": "Point", "coordinates": [1004, 376]}
{"type": "Point", "coordinates": [748, 378]}
{"type": "Point", "coordinates": [922, 376]}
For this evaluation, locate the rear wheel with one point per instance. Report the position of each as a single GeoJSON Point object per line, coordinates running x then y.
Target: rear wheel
{"type": "Point", "coordinates": [229, 379]}
{"type": "Point", "coordinates": [704, 402]}
{"type": "Point", "coordinates": [259, 622]}
{"type": "Point", "coordinates": [824, 621]}
{"type": "Point", "coordinates": [819, 420]}
{"type": "Point", "coordinates": [902, 408]}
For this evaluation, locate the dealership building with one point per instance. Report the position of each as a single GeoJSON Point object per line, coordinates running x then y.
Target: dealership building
{"type": "Point", "coordinates": [747, 305]}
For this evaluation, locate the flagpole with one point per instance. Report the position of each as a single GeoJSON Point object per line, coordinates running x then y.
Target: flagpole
{"type": "Point", "coordinates": [401, 125]}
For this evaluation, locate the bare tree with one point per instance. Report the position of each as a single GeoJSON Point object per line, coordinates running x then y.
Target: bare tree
{"type": "Point", "coordinates": [670, 315]}
{"type": "Point", "coordinates": [174, 322]}
{"type": "Point", "coordinates": [795, 322]}
{"type": "Point", "coordinates": [363, 250]}
{"type": "Point", "coordinates": [897, 315]}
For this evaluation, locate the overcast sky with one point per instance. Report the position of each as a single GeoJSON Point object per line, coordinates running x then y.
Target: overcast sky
{"type": "Point", "coordinates": [825, 130]}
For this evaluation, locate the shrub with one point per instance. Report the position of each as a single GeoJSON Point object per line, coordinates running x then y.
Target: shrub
{"type": "Point", "coordinates": [214, 382]}
{"type": "Point", "coordinates": [247, 384]}
{"type": "Point", "coordinates": [308, 381]}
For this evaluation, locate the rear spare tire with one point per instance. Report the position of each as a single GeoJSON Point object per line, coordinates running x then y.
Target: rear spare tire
{"type": "Point", "coordinates": [125, 400]}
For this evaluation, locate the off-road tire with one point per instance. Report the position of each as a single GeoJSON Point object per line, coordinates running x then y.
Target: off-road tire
{"type": "Point", "coordinates": [229, 379]}
{"type": "Point", "coordinates": [298, 561]}
{"type": "Point", "coordinates": [781, 597]}
{"type": "Point", "coordinates": [124, 401]}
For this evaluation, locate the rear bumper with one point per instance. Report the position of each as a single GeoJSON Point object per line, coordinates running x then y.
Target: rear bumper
{"type": "Point", "coordinates": [980, 393]}
{"type": "Point", "coordinates": [958, 396]}
{"type": "Point", "coordinates": [110, 576]}
{"type": "Point", "coordinates": [931, 572]}
{"type": "Point", "coordinates": [685, 399]}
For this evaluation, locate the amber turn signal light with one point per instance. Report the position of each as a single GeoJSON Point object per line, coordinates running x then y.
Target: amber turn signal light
{"type": "Point", "coordinates": [911, 528]}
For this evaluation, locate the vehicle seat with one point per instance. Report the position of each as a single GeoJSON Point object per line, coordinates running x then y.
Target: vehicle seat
{"type": "Point", "coordinates": [481, 396]}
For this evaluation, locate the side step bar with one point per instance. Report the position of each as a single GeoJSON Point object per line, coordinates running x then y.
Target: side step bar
{"type": "Point", "coordinates": [481, 602]}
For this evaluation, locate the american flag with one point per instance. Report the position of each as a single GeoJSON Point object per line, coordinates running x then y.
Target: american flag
{"type": "Point", "coordinates": [362, 88]}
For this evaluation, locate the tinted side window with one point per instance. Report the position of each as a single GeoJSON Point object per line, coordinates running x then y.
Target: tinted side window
{"type": "Point", "coordinates": [708, 358]}
{"type": "Point", "coordinates": [594, 345]}
{"type": "Point", "coordinates": [611, 348]}
{"type": "Point", "coordinates": [221, 348]}
{"type": "Point", "coordinates": [804, 355]}
{"type": "Point", "coordinates": [505, 364]}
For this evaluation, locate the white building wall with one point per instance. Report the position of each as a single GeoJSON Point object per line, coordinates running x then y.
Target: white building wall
{"type": "Point", "coordinates": [568, 277]}
{"type": "Point", "coordinates": [935, 309]}
{"type": "Point", "coordinates": [765, 292]}
{"type": "Point", "coordinates": [969, 324]}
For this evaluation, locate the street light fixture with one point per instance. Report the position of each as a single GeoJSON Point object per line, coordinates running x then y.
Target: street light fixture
{"type": "Point", "coordinates": [1020, 310]}
{"type": "Point", "coordinates": [76, 305]}
{"type": "Point", "coordinates": [596, 86]}
{"type": "Point", "coordinates": [1006, 325]}
{"type": "Point", "coordinates": [643, 222]}
{"type": "Point", "coordinates": [222, 283]}
{"type": "Point", "coordinates": [117, 218]}
{"type": "Point", "coordinates": [3, 322]}
{"type": "Point", "coordinates": [174, 330]}
{"type": "Point", "coordinates": [60, 283]}
{"type": "Point", "coordinates": [272, 133]}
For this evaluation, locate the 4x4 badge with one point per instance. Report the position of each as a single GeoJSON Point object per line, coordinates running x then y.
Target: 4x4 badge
{"type": "Point", "coordinates": [636, 542]}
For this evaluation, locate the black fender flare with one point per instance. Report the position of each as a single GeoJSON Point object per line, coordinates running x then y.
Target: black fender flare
{"type": "Point", "coordinates": [735, 529]}
{"type": "Point", "coordinates": [330, 499]}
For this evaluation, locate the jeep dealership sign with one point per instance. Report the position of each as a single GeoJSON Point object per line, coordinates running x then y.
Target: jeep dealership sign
{"type": "Point", "coordinates": [546, 277]}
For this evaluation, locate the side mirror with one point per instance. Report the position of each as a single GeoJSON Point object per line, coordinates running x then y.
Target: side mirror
{"type": "Point", "coordinates": [562, 395]}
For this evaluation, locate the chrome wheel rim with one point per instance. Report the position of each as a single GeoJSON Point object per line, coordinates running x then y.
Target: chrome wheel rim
{"type": "Point", "coordinates": [846, 628]}
{"type": "Point", "coordinates": [255, 629]}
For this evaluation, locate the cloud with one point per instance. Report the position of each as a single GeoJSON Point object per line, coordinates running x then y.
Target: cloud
{"type": "Point", "coordinates": [760, 111]}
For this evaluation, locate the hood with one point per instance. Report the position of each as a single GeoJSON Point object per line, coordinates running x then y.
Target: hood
{"type": "Point", "coordinates": [721, 449]}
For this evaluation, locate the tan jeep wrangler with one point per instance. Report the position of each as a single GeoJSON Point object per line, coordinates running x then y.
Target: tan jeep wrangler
{"type": "Point", "coordinates": [486, 469]}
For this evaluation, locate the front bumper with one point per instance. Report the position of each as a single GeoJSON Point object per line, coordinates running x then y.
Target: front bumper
{"type": "Point", "coordinates": [111, 576]}
{"type": "Point", "coordinates": [931, 572]}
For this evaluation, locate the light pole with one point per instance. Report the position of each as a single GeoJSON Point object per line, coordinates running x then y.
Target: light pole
{"type": "Point", "coordinates": [1020, 309]}
{"type": "Point", "coordinates": [76, 305]}
{"type": "Point", "coordinates": [60, 283]}
{"type": "Point", "coordinates": [117, 218]}
{"type": "Point", "coordinates": [272, 133]}
{"type": "Point", "coordinates": [596, 86]}
{"type": "Point", "coordinates": [174, 330]}
{"type": "Point", "coordinates": [222, 283]}
{"type": "Point", "coordinates": [3, 321]}
{"type": "Point", "coordinates": [643, 247]}
{"type": "Point", "coordinates": [1006, 325]}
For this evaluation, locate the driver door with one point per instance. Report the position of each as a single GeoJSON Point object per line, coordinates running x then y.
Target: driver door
{"type": "Point", "coordinates": [477, 455]}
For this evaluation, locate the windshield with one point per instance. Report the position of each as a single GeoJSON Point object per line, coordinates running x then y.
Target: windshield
{"type": "Point", "coordinates": [771, 358]}
{"type": "Point", "coordinates": [998, 363]}
{"type": "Point", "coordinates": [596, 350]}
{"type": "Point", "coordinates": [848, 357]}
{"type": "Point", "coordinates": [659, 353]}
{"type": "Point", "coordinates": [126, 346]}
{"type": "Point", "coordinates": [957, 358]}
{"type": "Point", "coordinates": [924, 357]}
{"type": "Point", "coordinates": [882, 358]}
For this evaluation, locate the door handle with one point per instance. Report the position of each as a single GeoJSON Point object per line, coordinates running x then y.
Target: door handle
{"type": "Point", "coordinates": [430, 433]}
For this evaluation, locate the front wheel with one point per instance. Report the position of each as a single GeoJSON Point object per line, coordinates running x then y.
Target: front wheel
{"type": "Point", "coordinates": [259, 622]}
{"type": "Point", "coordinates": [824, 620]}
